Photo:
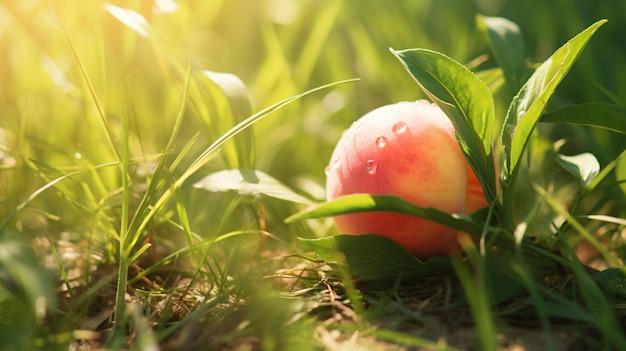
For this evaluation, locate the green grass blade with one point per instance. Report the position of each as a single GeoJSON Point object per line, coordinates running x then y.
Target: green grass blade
{"type": "Point", "coordinates": [185, 225]}
{"type": "Point", "coordinates": [476, 289]}
{"type": "Point", "coordinates": [62, 270]}
{"type": "Point", "coordinates": [520, 267]}
{"type": "Point", "coordinates": [607, 219]}
{"type": "Point", "coordinates": [594, 114]}
{"type": "Point", "coordinates": [465, 99]}
{"type": "Point", "coordinates": [92, 90]}
{"type": "Point", "coordinates": [529, 103]}
{"type": "Point", "coordinates": [620, 172]}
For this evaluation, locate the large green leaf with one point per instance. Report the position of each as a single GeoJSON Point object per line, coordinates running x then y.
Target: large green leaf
{"type": "Point", "coordinates": [251, 183]}
{"type": "Point", "coordinates": [529, 103]}
{"type": "Point", "coordinates": [465, 99]}
{"type": "Point", "coordinates": [595, 114]}
{"type": "Point", "coordinates": [373, 257]}
{"type": "Point", "coordinates": [385, 203]}
{"type": "Point", "coordinates": [507, 44]}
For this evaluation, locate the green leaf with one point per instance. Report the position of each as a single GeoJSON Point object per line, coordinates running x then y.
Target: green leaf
{"type": "Point", "coordinates": [620, 173]}
{"type": "Point", "coordinates": [465, 99]}
{"type": "Point", "coordinates": [584, 167]}
{"type": "Point", "coordinates": [373, 257]}
{"type": "Point", "coordinates": [528, 105]}
{"type": "Point", "coordinates": [356, 203]}
{"type": "Point", "coordinates": [595, 114]}
{"type": "Point", "coordinates": [506, 42]}
{"type": "Point", "coordinates": [250, 183]}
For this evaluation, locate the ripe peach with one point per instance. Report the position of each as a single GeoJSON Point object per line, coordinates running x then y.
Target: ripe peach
{"type": "Point", "coordinates": [408, 149]}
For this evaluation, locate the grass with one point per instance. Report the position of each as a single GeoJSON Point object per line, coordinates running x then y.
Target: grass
{"type": "Point", "coordinates": [113, 113]}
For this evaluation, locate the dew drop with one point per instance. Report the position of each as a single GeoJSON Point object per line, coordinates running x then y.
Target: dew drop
{"type": "Point", "coordinates": [399, 127]}
{"type": "Point", "coordinates": [381, 142]}
{"type": "Point", "coordinates": [337, 163]}
{"type": "Point", "coordinates": [327, 171]}
{"type": "Point", "coordinates": [371, 166]}
{"type": "Point", "coordinates": [423, 102]}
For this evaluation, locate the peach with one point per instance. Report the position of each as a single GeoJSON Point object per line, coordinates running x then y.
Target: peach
{"type": "Point", "coordinates": [407, 149]}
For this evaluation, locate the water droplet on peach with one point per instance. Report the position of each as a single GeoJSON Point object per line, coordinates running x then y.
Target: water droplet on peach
{"type": "Point", "coordinates": [399, 127]}
{"type": "Point", "coordinates": [337, 163]}
{"type": "Point", "coordinates": [381, 142]}
{"type": "Point", "coordinates": [327, 171]}
{"type": "Point", "coordinates": [371, 166]}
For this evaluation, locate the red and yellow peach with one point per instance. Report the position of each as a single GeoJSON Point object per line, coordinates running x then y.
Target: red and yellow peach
{"type": "Point", "coordinates": [408, 149]}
